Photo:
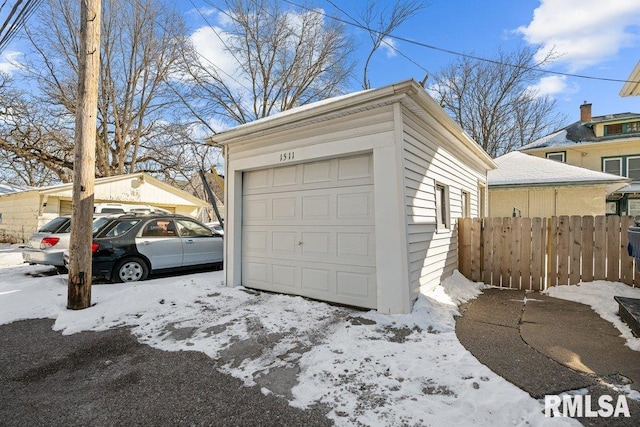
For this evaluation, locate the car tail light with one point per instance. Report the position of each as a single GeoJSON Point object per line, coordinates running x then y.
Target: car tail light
{"type": "Point", "coordinates": [94, 247]}
{"type": "Point", "coordinates": [48, 242]}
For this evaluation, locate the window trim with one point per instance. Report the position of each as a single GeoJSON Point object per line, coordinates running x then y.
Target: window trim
{"type": "Point", "coordinates": [619, 159]}
{"type": "Point", "coordinates": [443, 207]}
{"type": "Point", "coordinates": [465, 206]}
{"type": "Point", "coordinates": [563, 154]}
{"type": "Point", "coordinates": [624, 128]}
{"type": "Point", "coordinates": [627, 158]}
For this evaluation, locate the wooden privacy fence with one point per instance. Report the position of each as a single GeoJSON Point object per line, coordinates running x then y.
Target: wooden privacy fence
{"type": "Point", "coordinates": [534, 253]}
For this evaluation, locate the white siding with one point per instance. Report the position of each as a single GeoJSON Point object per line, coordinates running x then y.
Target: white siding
{"type": "Point", "coordinates": [433, 253]}
{"type": "Point", "coordinates": [19, 216]}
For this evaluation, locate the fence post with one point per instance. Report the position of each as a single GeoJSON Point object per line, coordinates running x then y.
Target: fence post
{"type": "Point", "coordinates": [487, 255]}
{"type": "Point", "coordinates": [464, 247]}
{"type": "Point", "coordinates": [476, 249]}
{"type": "Point", "coordinates": [599, 248]}
{"type": "Point", "coordinates": [613, 248]}
{"type": "Point", "coordinates": [588, 240]}
{"type": "Point", "coordinates": [575, 249]}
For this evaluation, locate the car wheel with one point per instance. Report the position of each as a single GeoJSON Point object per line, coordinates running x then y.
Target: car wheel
{"type": "Point", "coordinates": [61, 269]}
{"type": "Point", "coordinates": [130, 270]}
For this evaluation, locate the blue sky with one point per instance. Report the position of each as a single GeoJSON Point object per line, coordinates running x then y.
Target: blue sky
{"type": "Point", "coordinates": [593, 37]}
{"type": "Point", "coordinates": [596, 38]}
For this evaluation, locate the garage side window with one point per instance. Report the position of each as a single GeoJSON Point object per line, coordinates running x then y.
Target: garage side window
{"type": "Point", "coordinates": [442, 206]}
{"type": "Point", "coordinates": [466, 204]}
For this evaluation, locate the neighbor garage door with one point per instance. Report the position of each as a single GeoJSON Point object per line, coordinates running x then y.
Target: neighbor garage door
{"type": "Point", "coordinates": [308, 229]}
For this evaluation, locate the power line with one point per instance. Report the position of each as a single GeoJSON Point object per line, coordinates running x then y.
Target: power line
{"type": "Point", "coordinates": [222, 41]}
{"type": "Point", "coordinates": [15, 20]}
{"type": "Point", "coordinates": [456, 53]}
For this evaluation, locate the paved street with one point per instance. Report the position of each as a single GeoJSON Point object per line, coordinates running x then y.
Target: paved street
{"type": "Point", "coordinates": [108, 378]}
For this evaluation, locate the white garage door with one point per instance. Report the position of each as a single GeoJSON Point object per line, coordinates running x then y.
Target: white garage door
{"type": "Point", "coordinates": [308, 229]}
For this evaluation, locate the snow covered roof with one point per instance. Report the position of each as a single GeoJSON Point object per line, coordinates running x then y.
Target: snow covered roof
{"type": "Point", "coordinates": [582, 133]}
{"type": "Point", "coordinates": [520, 169]}
{"type": "Point", "coordinates": [407, 91]}
{"type": "Point", "coordinates": [10, 188]}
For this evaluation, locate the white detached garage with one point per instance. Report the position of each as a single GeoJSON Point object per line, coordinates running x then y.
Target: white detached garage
{"type": "Point", "coordinates": [350, 200]}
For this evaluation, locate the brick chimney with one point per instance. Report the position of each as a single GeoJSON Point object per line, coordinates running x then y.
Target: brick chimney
{"type": "Point", "coordinates": [585, 112]}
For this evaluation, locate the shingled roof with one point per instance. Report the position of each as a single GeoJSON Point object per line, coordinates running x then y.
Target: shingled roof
{"type": "Point", "coordinates": [582, 133]}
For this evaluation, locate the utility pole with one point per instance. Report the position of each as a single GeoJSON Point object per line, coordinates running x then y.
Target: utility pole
{"type": "Point", "coordinates": [79, 284]}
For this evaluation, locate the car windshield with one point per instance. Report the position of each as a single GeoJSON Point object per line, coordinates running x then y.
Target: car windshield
{"type": "Point", "coordinates": [54, 225]}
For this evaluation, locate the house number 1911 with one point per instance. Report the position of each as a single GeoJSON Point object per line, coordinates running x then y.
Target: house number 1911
{"type": "Point", "coordinates": [285, 157]}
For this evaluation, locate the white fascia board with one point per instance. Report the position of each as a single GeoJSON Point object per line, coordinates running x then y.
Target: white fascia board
{"type": "Point", "coordinates": [632, 86]}
{"type": "Point", "coordinates": [305, 113]}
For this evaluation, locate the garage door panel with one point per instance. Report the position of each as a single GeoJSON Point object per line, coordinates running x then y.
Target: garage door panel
{"type": "Point", "coordinates": [257, 180]}
{"type": "Point", "coordinates": [308, 230]}
{"type": "Point", "coordinates": [317, 207]}
{"type": "Point", "coordinates": [316, 279]}
{"type": "Point", "coordinates": [285, 176]}
{"type": "Point", "coordinates": [284, 208]}
{"type": "Point", "coordinates": [316, 172]}
{"type": "Point", "coordinates": [255, 240]}
{"type": "Point", "coordinates": [339, 245]}
{"type": "Point", "coordinates": [355, 285]}
{"type": "Point", "coordinates": [285, 275]}
{"type": "Point", "coordinates": [357, 245]}
{"type": "Point", "coordinates": [351, 204]}
{"type": "Point", "coordinates": [355, 205]}
{"type": "Point", "coordinates": [284, 243]}
{"type": "Point", "coordinates": [343, 172]}
{"type": "Point", "coordinates": [256, 273]}
{"type": "Point", "coordinates": [355, 168]}
{"type": "Point", "coordinates": [314, 243]}
{"type": "Point", "coordinates": [256, 209]}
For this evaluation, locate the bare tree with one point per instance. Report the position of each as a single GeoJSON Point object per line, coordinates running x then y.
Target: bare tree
{"type": "Point", "coordinates": [382, 21]}
{"type": "Point", "coordinates": [30, 141]}
{"type": "Point", "coordinates": [494, 101]}
{"type": "Point", "coordinates": [281, 59]}
{"type": "Point", "coordinates": [141, 42]}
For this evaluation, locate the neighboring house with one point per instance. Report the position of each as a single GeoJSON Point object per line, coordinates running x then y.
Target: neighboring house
{"type": "Point", "coordinates": [632, 86]}
{"type": "Point", "coordinates": [10, 188]}
{"type": "Point", "coordinates": [352, 199]}
{"type": "Point", "coordinates": [608, 143]}
{"type": "Point", "coordinates": [531, 186]}
{"type": "Point", "coordinates": [22, 212]}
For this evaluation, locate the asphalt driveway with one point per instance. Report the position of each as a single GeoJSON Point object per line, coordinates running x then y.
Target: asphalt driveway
{"type": "Point", "coordinates": [108, 378]}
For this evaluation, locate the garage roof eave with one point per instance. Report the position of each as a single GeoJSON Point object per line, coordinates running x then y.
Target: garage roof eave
{"type": "Point", "coordinates": [306, 112]}
{"type": "Point", "coordinates": [353, 102]}
{"type": "Point", "coordinates": [610, 185]}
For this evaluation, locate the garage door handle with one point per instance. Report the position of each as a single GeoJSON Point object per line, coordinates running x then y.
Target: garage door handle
{"type": "Point", "coordinates": [300, 243]}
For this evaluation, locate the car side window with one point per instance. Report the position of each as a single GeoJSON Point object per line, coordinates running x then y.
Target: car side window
{"type": "Point", "coordinates": [188, 228]}
{"type": "Point", "coordinates": [121, 227]}
{"type": "Point", "coordinates": [160, 228]}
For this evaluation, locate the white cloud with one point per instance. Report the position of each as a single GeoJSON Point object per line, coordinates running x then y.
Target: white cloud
{"type": "Point", "coordinates": [210, 42]}
{"type": "Point", "coordinates": [583, 32]}
{"type": "Point", "coordinates": [389, 46]}
{"type": "Point", "coordinates": [551, 85]}
{"type": "Point", "coordinates": [202, 11]}
{"type": "Point", "coordinates": [9, 62]}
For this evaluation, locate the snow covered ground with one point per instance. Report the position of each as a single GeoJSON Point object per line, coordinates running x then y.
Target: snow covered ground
{"type": "Point", "coordinates": [363, 366]}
